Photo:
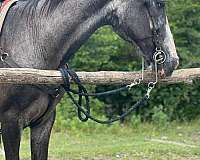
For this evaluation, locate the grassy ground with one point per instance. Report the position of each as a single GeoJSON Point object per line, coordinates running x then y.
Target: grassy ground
{"type": "Point", "coordinates": [146, 142]}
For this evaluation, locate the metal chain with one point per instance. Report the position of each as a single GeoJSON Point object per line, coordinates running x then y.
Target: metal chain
{"type": "Point", "coordinates": [138, 81]}
{"type": "Point", "coordinates": [159, 57]}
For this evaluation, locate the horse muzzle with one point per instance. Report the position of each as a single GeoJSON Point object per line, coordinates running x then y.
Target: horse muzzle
{"type": "Point", "coordinates": [166, 69]}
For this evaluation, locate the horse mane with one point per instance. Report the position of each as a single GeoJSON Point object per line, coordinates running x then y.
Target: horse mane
{"type": "Point", "coordinates": [48, 6]}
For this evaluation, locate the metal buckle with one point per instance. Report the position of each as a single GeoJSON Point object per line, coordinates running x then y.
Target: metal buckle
{"type": "Point", "coordinates": [159, 56]}
{"type": "Point", "coordinates": [151, 86]}
{"type": "Point", "coordinates": [3, 57]}
{"type": "Point", "coordinates": [157, 60]}
{"type": "Point", "coordinates": [57, 92]}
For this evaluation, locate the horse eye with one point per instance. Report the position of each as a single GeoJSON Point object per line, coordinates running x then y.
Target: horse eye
{"type": "Point", "coordinates": [161, 4]}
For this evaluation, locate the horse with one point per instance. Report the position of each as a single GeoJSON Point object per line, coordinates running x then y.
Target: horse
{"type": "Point", "coordinates": [44, 34]}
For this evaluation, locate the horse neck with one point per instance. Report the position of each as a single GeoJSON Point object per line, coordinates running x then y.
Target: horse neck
{"type": "Point", "coordinates": [42, 39]}
{"type": "Point", "coordinates": [78, 23]}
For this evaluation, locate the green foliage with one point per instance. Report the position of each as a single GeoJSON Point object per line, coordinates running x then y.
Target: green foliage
{"type": "Point", "coordinates": [106, 51]}
{"type": "Point", "coordinates": [185, 22]}
{"type": "Point", "coordinates": [135, 121]}
{"type": "Point", "coordinates": [159, 117]}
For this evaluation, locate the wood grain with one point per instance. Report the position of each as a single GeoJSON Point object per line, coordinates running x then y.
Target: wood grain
{"type": "Point", "coordinates": [34, 76]}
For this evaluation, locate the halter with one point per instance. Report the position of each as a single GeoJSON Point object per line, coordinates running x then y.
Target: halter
{"type": "Point", "coordinates": [159, 55]}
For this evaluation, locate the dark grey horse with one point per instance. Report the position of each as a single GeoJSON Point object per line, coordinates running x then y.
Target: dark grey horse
{"type": "Point", "coordinates": [44, 34]}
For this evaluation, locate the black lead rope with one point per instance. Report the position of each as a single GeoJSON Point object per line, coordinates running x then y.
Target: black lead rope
{"type": "Point", "coordinates": [138, 104]}
{"type": "Point", "coordinates": [81, 89]}
{"type": "Point", "coordinates": [107, 93]}
{"type": "Point", "coordinates": [84, 112]}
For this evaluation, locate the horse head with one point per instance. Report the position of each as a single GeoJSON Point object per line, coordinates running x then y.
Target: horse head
{"type": "Point", "coordinates": [144, 23]}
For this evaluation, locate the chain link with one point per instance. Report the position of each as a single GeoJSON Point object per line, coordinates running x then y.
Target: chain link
{"type": "Point", "coordinates": [157, 60]}
{"type": "Point", "coordinates": [138, 81]}
{"type": "Point", "coordinates": [3, 57]}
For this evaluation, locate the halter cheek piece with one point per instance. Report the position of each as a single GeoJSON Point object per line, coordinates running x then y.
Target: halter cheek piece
{"type": "Point", "coordinates": [159, 55]}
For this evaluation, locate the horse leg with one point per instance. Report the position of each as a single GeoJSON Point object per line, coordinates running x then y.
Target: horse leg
{"type": "Point", "coordinates": [11, 135]}
{"type": "Point", "coordinates": [40, 136]}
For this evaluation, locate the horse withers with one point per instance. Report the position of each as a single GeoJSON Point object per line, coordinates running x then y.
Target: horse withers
{"type": "Point", "coordinates": [44, 34]}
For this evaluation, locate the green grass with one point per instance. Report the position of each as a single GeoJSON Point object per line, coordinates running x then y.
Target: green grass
{"type": "Point", "coordinates": [174, 142]}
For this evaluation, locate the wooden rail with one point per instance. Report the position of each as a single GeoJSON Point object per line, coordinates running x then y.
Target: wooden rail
{"type": "Point", "coordinates": [34, 76]}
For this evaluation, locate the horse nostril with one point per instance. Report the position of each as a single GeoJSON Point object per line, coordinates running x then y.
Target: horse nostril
{"type": "Point", "coordinates": [168, 67]}
{"type": "Point", "coordinates": [161, 73]}
{"type": "Point", "coordinates": [175, 63]}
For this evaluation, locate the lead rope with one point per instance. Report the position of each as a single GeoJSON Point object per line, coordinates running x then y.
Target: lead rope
{"type": "Point", "coordinates": [66, 73]}
{"type": "Point", "coordinates": [82, 92]}
{"type": "Point", "coordinates": [84, 114]}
